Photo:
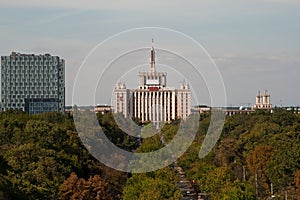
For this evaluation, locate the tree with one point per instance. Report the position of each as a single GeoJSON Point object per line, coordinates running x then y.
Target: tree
{"type": "Point", "coordinates": [285, 161]}
{"type": "Point", "coordinates": [297, 181]}
{"type": "Point", "coordinates": [36, 156]}
{"type": "Point", "coordinates": [227, 152]}
{"type": "Point", "coordinates": [35, 171]}
{"type": "Point", "coordinates": [257, 163]}
{"type": "Point", "coordinates": [238, 191]}
{"type": "Point", "coordinates": [75, 188]}
{"type": "Point", "coordinates": [160, 184]}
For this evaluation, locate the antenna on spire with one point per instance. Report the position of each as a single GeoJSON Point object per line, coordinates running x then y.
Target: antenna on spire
{"type": "Point", "coordinates": [152, 62]}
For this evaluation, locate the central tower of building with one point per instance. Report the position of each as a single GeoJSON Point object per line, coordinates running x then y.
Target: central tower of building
{"type": "Point", "coordinates": [153, 100]}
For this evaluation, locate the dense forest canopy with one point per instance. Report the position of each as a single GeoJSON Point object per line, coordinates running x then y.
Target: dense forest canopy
{"type": "Point", "coordinates": [42, 157]}
{"type": "Point", "coordinates": [255, 152]}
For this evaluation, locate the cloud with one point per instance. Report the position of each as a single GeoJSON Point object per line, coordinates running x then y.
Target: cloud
{"type": "Point", "coordinates": [128, 4]}
{"type": "Point", "coordinates": [283, 1]}
{"type": "Point", "coordinates": [244, 64]}
{"type": "Point", "coordinates": [90, 4]}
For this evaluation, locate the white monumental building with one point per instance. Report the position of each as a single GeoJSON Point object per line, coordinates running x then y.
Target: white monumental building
{"type": "Point", "coordinates": [153, 100]}
{"type": "Point", "coordinates": [263, 101]}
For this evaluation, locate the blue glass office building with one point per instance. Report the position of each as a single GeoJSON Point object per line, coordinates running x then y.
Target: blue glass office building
{"type": "Point", "coordinates": [33, 83]}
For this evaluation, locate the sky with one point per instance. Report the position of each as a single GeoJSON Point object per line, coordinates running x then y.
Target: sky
{"type": "Point", "coordinates": [254, 44]}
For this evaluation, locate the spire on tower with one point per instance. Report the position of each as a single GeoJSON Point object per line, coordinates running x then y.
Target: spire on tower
{"type": "Point", "coordinates": [266, 92]}
{"type": "Point", "coordinates": [152, 62]}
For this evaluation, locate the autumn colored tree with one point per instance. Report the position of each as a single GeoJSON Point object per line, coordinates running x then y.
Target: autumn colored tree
{"type": "Point", "coordinates": [257, 162]}
{"type": "Point", "coordinates": [75, 188]}
{"type": "Point", "coordinates": [297, 181]}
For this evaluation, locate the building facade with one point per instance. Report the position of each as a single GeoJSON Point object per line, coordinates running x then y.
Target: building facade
{"type": "Point", "coordinates": [33, 83]}
{"type": "Point", "coordinates": [102, 109]}
{"type": "Point", "coordinates": [121, 99]}
{"type": "Point", "coordinates": [200, 109]}
{"type": "Point", "coordinates": [153, 100]}
{"type": "Point", "coordinates": [263, 101]}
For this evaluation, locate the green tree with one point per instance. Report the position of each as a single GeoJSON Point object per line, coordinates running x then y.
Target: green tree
{"type": "Point", "coordinates": [238, 191]}
{"type": "Point", "coordinates": [160, 184]}
{"type": "Point", "coordinates": [286, 159]}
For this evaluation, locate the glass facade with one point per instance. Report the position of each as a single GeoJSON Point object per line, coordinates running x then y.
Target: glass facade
{"type": "Point", "coordinates": [35, 106]}
{"type": "Point", "coordinates": [28, 81]}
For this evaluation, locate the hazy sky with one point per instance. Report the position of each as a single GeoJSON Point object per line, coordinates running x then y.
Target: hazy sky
{"type": "Point", "coordinates": [255, 44]}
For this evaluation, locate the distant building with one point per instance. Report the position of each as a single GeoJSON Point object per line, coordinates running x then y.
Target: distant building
{"type": "Point", "coordinates": [230, 111]}
{"type": "Point", "coordinates": [263, 101]}
{"type": "Point", "coordinates": [102, 109]}
{"type": "Point", "coordinates": [33, 83]}
{"type": "Point", "coordinates": [121, 99]}
{"type": "Point", "coordinates": [69, 110]}
{"type": "Point", "coordinates": [201, 109]}
{"type": "Point", "coordinates": [153, 100]}
{"type": "Point", "coordinates": [295, 110]}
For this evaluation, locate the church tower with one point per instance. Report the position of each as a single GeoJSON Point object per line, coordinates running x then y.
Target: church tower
{"type": "Point", "coordinates": [263, 101]}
